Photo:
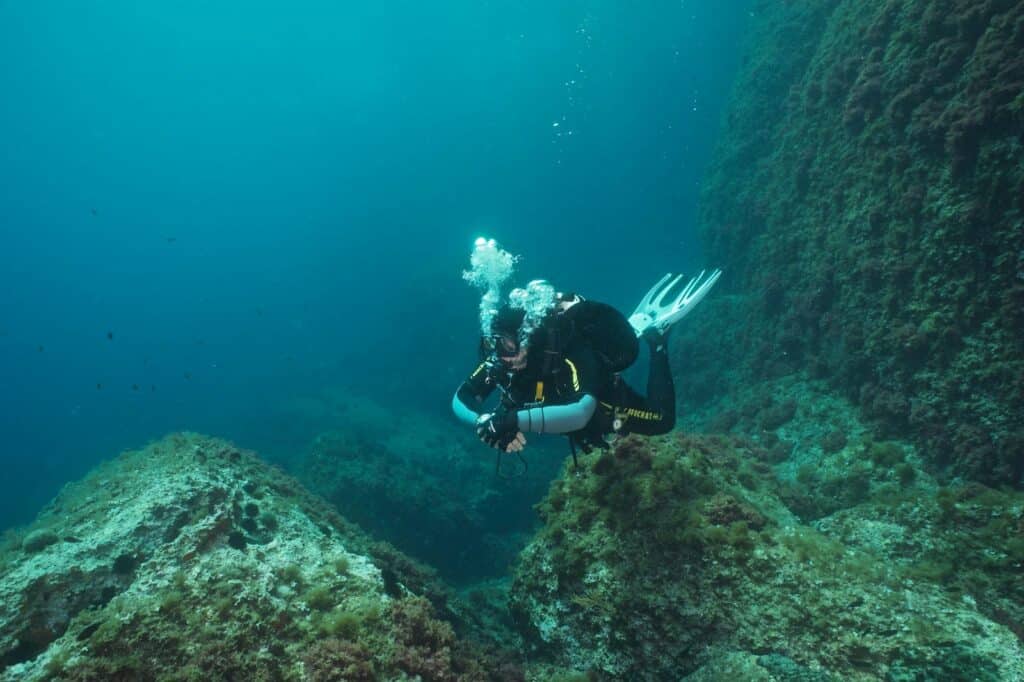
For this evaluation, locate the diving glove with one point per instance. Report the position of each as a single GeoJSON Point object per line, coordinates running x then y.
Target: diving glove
{"type": "Point", "coordinates": [654, 312]}
{"type": "Point", "coordinates": [498, 429]}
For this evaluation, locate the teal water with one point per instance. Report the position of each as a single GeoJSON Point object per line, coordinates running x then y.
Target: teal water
{"type": "Point", "coordinates": [208, 209]}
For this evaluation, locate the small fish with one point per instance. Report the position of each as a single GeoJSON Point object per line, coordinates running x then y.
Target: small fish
{"type": "Point", "coordinates": [39, 348]}
{"type": "Point", "coordinates": [188, 376]}
{"type": "Point", "coordinates": [94, 212]}
{"type": "Point", "coordinates": [110, 336]}
{"type": "Point", "coordinates": [152, 389]}
{"type": "Point", "coordinates": [171, 240]}
{"type": "Point", "coordinates": [135, 387]}
{"type": "Point", "coordinates": [99, 387]}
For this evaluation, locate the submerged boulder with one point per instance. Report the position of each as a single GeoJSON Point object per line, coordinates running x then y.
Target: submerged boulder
{"type": "Point", "coordinates": [192, 559]}
{"type": "Point", "coordinates": [676, 557]}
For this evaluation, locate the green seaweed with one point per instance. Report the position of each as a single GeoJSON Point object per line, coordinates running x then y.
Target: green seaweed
{"type": "Point", "coordinates": [885, 454]}
{"type": "Point", "coordinates": [344, 624]}
{"type": "Point", "coordinates": [320, 598]}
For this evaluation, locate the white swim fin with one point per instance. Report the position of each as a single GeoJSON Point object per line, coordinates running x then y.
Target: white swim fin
{"type": "Point", "coordinates": [653, 312]}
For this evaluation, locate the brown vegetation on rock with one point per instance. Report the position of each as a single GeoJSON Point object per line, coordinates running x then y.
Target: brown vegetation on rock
{"type": "Point", "coordinates": [876, 226]}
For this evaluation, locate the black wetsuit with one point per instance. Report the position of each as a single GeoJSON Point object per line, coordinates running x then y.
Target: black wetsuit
{"type": "Point", "coordinates": [570, 376]}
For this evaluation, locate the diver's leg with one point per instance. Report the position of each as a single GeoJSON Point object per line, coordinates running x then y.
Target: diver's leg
{"type": "Point", "coordinates": [654, 414]}
{"type": "Point", "coordinates": [661, 390]}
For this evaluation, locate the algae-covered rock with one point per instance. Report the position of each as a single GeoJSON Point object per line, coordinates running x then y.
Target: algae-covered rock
{"type": "Point", "coordinates": [967, 538]}
{"type": "Point", "coordinates": [191, 559]}
{"type": "Point", "coordinates": [678, 557]}
{"type": "Point", "coordinates": [866, 201]}
{"type": "Point", "coordinates": [735, 665]}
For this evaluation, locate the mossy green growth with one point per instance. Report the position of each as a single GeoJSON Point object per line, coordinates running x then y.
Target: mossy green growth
{"type": "Point", "coordinates": [808, 545]}
{"type": "Point", "coordinates": [172, 601]}
{"type": "Point", "coordinates": [1017, 105]}
{"type": "Point", "coordinates": [946, 500]}
{"type": "Point", "coordinates": [119, 667]}
{"type": "Point", "coordinates": [54, 667]}
{"type": "Point", "coordinates": [740, 537]}
{"type": "Point", "coordinates": [932, 568]}
{"type": "Point", "coordinates": [223, 607]}
{"type": "Point", "coordinates": [987, 498]}
{"type": "Point", "coordinates": [1015, 550]}
{"type": "Point", "coordinates": [708, 535]}
{"type": "Point", "coordinates": [906, 474]}
{"type": "Point", "coordinates": [351, 621]}
{"type": "Point", "coordinates": [344, 624]}
{"type": "Point", "coordinates": [805, 475]}
{"type": "Point", "coordinates": [290, 574]}
{"type": "Point", "coordinates": [747, 479]}
{"type": "Point", "coordinates": [885, 454]}
{"type": "Point", "coordinates": [108, 632]}
{"type": "Point", "coordinates": [320, 598]}
{"type": "Point", "coordinates": [570, 677]}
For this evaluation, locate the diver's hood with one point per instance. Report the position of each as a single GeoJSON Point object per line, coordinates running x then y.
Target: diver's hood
{"type": "Point", "coordinates": [507, 321]}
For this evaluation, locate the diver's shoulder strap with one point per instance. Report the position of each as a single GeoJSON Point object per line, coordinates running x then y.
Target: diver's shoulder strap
{"type": "Point", "coordinates": [553, 349]}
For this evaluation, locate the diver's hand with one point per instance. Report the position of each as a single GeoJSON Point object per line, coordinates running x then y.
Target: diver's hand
{"type": "Point", "coordinates": [517, 444]}
{"type": "Point", "coordinates": [499, 429]}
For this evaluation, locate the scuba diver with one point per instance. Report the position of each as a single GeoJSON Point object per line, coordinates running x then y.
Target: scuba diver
{"type": "Point", "coordinates": [556, 360]}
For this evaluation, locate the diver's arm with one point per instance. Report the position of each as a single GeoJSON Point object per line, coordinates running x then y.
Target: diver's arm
{"type": "Point", "coordinates": [558, 418]}
{"type": "Point", "coordinates": [472, 394]}
{"type": "Point", "coordinates": [462, 410]}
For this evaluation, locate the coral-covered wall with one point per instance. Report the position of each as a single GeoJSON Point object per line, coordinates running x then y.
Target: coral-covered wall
{"type": "Point", "coordinates": [867, 205]}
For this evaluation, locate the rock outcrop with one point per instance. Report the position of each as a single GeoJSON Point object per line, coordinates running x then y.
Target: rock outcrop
{"type": "Point", "coordinates": [191, 559]}
{"type": "Point", "coordinates": [679, 557]}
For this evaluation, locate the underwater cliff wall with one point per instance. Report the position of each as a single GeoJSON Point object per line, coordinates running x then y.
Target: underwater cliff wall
{"type": "Point", "coordinates": [866, 205]}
